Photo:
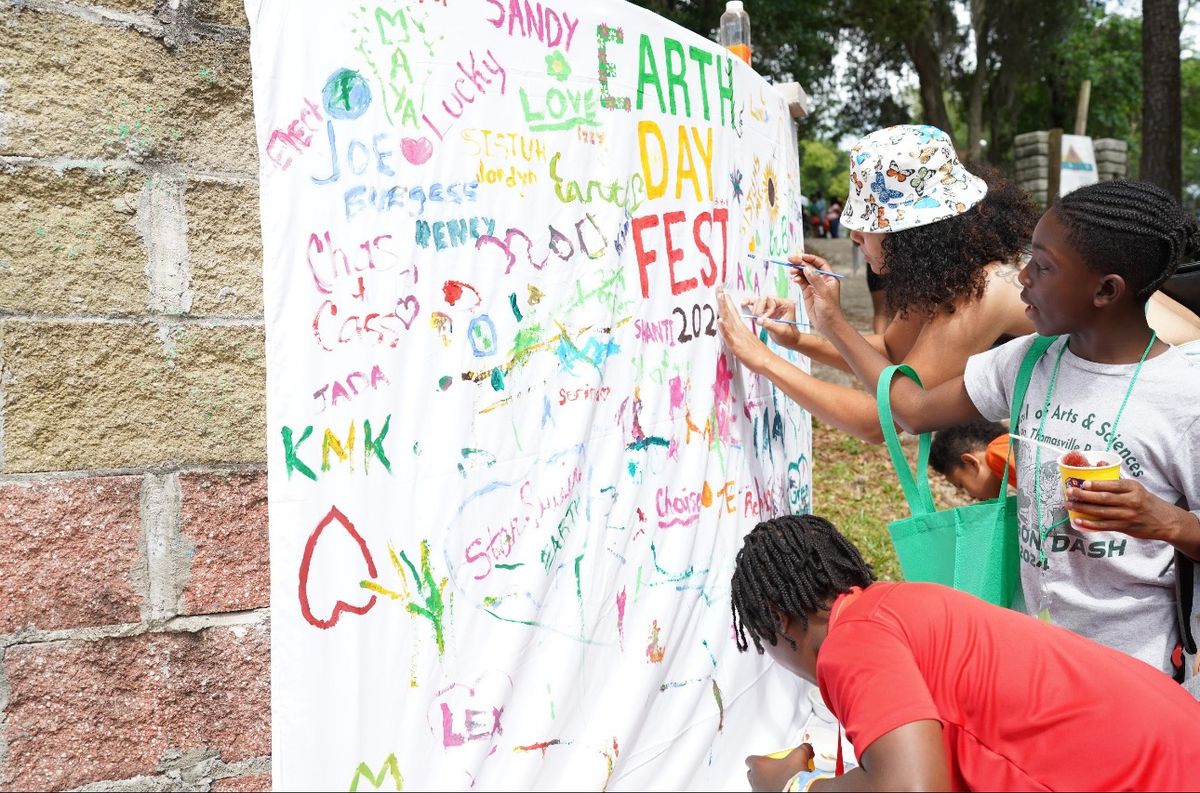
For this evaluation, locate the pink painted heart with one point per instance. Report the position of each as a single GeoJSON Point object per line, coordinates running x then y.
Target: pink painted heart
{"type": "Point", "coordinates": [357, 546]}
{"type": "Point", "coordinates": [416, 150]}
{"type": "Point", "coordinates": [407, 305]}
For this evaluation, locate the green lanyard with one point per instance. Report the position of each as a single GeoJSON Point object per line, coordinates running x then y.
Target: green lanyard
{"type": "Point", "coordinates": [1043, 533]}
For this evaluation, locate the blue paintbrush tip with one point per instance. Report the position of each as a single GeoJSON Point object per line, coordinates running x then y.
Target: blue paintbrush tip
{"type": "Point", "coordinates": [784, 263]}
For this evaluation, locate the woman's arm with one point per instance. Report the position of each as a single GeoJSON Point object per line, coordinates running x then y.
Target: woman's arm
{"type": "Point", "coordinates": [938, 356]}
{"type": "Point", "coordinates": [848, 409]}
{"type": "Point", "coordinates": [895, 342]}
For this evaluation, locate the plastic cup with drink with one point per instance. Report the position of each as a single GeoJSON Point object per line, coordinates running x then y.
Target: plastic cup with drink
{"type": "Point", "coordinates": [1077, 466]}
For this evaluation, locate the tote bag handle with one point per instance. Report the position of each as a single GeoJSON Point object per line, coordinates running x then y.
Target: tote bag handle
{"type": "Point", "coordinates": [916, 488]}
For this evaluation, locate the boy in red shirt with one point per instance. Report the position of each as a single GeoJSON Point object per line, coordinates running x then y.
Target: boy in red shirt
{"type": "Point", "coordinates": [938, 690]}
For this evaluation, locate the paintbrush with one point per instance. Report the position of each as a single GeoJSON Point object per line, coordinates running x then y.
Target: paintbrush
{"type": "Point", "coordinates": [780, 321]}
{"type": "Point", "coordinates": [796, 266]}
{"type": "Point", "coordinates": [1058, 450]}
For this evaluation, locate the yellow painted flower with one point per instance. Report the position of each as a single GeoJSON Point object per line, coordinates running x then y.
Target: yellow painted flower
{"type": "Point", "coordinates": [771, 192]}
{"type": "Point", "coordinates": [557, 66]}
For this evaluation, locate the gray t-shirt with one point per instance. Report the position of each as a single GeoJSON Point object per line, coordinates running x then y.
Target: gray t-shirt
{"type": "Point", "coordinates": [1107, 586]}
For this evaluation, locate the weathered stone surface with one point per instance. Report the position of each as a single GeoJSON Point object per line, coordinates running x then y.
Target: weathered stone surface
{"type": "Point", "coordinates": [68, 243]}
{"type": "Point", "coordinates": [224, 249]}
{"type": "Point", "coordinates": [1110, 144]}
{"type": "Point", "coordinates": [1038, 160]}
{"type": "Point", "coordinates": [68, 549]}
{"type": "Point", "coordinates": [224, 520]}
{"type": "Point", "coordinates": [251, 782]}
{"type": "Point", "coordinates": [95, 90]}
{"type": "Point", "coordinates": [1033, 172]}
{"type": "Point", "coordinates": [84, 396]}
{"type": "Point", "coordinates": [86, 711]}
{"type": "Point", "coordinates": [1114, 156]}
{"type": "Point", "coordinates": [1028, 138]}
{"type": "Point", "coordinates": [223, 12]}
{"type": "Point", "coordinates": [143, 6]}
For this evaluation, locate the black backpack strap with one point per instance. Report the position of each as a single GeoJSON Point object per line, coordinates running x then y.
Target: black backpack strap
{"type": "Point", "coordinates": [1185, 575]}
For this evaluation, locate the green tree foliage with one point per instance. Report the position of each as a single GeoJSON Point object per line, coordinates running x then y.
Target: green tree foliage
{"type": "Point", "coordinates": [1191, 132]}
{"type": "Point", "coordinates": [985, 69]}
{"type": "Point", "coordinates": [824, 168]}
{"type": "Point", "coordinates": [885, 37]}
{"type": "Point", "coordinates": [1102, 47]}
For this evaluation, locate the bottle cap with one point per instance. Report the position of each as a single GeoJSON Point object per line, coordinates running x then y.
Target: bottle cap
{"type": "Point", "coordinates": [734, 5]}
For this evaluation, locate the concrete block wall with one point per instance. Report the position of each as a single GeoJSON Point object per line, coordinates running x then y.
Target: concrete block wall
{"type": "Point", "coordinates": [134, 629]}
{"type": "Point", "coordinates": [1112, 158]}
{"type": "Point", "coordinates": [1031, 156]}
{"type": "Point", "coordinates": [1032, 159]}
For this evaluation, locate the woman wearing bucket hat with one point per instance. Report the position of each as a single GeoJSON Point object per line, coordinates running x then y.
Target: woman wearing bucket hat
{"type": "Point", "coordinates": [948, 244]}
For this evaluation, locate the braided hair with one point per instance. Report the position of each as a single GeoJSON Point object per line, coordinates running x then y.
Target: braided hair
{"type": "Point", "coordinates": [795, 564]}
{"type": "Point", "coordinates": [1133, 229]}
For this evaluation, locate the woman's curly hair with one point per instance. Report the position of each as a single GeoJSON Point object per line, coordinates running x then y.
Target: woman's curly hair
{"type": "Point", "coordinates": [930, 268]}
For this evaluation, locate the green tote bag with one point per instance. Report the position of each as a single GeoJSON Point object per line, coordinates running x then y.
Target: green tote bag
{"type": "Point", "coordinates": [974, 548]}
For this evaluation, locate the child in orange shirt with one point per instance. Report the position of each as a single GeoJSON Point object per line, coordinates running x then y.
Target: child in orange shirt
{"type": "Point", "coordinates": [972, 456]}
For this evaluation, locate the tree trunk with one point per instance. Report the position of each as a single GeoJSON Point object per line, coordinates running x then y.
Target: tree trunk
{"type": "Point", "coordinates": [929, 72]}
{"type": "Point", "coordinates": [979, 26]}
{"type": "Point", "coordinates": [1162, 118]}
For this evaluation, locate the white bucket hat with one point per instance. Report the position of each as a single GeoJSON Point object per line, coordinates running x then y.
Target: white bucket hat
{"type": "Point", "coordinates": [907, 176]}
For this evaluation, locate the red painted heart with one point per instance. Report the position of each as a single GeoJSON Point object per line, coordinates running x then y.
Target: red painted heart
{"type": "Point", "coordinates": [310, 548]}
{"type": "Point", "coordinates": [416, 150]}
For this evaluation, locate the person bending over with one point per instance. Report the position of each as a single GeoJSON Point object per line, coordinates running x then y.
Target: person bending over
{"type": "Point", "coordinates": [973, 456]}
{"type": "Point", "coordinates": [939, 690]}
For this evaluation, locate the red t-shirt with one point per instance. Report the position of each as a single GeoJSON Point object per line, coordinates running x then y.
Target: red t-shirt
{"type": "Point", "coordinates": [1023, 705]}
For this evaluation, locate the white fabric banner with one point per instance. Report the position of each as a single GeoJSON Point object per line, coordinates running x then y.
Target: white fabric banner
{"type": "Point", "coordinates": [509, 463]}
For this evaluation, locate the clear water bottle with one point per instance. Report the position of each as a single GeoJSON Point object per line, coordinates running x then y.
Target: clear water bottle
{"type": "Point", "coordinates": [735, 30]}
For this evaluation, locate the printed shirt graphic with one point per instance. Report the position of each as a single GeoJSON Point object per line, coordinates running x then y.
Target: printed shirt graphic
{"type": "Point", "coordinates": [1108, 586]}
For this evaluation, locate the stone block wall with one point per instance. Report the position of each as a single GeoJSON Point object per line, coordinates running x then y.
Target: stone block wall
{"type": "Point", "coordinates": [134, 629]}
{"type": "Point", "coordinates": [1033, 160]}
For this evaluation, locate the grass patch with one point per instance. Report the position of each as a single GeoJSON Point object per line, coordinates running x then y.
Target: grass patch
{"type": "Point", "coordinates": [855, 487]}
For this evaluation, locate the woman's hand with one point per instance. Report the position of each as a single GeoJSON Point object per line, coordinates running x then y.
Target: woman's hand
{"type": "Point", "coordinates": [772, 773]}
{"type": "Point", "coordinates": [768, 308]}
{"type": "Point", "coordinates": [739, 339]}
{"type": "Point", "coordinates": [822, 294]}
